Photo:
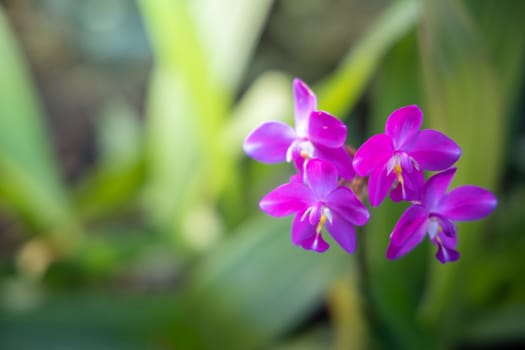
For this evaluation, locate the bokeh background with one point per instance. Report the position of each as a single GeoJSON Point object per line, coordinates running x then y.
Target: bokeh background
{"type": "Point", "coordinates": [128, 213]}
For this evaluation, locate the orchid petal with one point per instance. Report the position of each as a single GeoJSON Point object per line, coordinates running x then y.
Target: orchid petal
{"type": "Point", "coordinates": [448, 230]}
{"type": "Point", "coordinates": [326, 130]}
{"type": "Point", "coordinates": [379, 183]}
{"type": "Point", "coordinates": [305, 103]}
{"type": "Point", "coordinates": [315, 243]}
{"type": "Point", "coordinates": [346, 204]}
{"type": "Point", "coordinates": [374, 153]}
{"type": "Point", "coordinates": [468, 203]}
{"type": "Point", "coordinates": [314, 213]}
{"type": "Point", "coordinates": [435, 189]}
{"type": "Point", "coordinates": [303, 234]}
{"type": "Point", "coordinates": [301, 228]}
{"type": "Point", "coordinates": [408, 232]}
{"type": "Point", "coordinates": [434, 151]}
{"type": "Point", "coordinates": [269, 142]}
{"type": "Point", "coordinates": [287, 199]}
{"type": "Point", "coordinates": [339, 158]}
{"type": "Point", "coordinates": [403, 124]}
{"type": "Point", "coordinates": [343, 233]}
{"type": "Point", "coordinates": [411, 189]}
{"type": "Point", "coordinates": [321, 176]}
{"type": "Point", "coordinates": [446, 252]}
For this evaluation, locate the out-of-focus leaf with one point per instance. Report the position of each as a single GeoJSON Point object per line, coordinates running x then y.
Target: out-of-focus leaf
{"type": "Point", "coordinates": [119, 138]}
{"type": "Point", "coordinates": [347, 312]}
{"type": "Point", "coordinates": [106, 322]}
{"type": "Point", "coordinates": [229, 29]}
{"type": "Point", "coordinates": [257, 285]}
{"type": "Point", "coordinates": [497, 327]}
{"type": "Point", "coordinates": [29, 179]}
{"type": "Point", "coordinates": [120, 170]}
{"type": "Point", "coordinates": [465, 100]}
{"type": "Point", "coordinates": [173, 152]}
{"type": "Point", "coordinates": [318, 338]}
{"type": "Point", "coordinates": [186, 108]}
{"type": "Point", "coordinates": [500, 24]}
{"type": "Point", "coordinates": [339, 92]}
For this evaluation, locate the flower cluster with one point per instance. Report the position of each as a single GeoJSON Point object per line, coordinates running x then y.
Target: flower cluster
{"type": "Point", "coordinates": [321, 193]}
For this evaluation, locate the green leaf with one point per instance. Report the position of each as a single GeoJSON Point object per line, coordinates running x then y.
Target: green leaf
{"type": "Point", "coordinates": [464, 99]}
{"type": "Point", "coordinates": [498, 327]}
{"type": "Point", "coordinates": [120, 170]}
{"type": "Point", "coordinates": [229, 30]}
{"type": "Point", "coordinates": [340, 91]}
{"type": "Point", "coordinates": [257, 285]}
{"type": "Point", "coordinates": [29, 178]}
{"type": "Point", "coordinates": [186, 108]}
{"type": "Point", "coordinates": [99, 321]}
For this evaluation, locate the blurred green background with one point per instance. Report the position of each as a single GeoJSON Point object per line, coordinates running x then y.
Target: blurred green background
{"type": "Point", "coordinates": [128, 213]}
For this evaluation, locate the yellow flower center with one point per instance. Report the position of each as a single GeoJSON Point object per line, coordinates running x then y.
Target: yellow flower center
{"type": "Point", "coordinates": [320, 224]}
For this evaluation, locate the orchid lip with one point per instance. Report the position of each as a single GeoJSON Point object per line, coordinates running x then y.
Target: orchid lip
{"type": "Point", "coordinates": [306, 149]}
{"type": "Point", "coordinates": [433, 227]}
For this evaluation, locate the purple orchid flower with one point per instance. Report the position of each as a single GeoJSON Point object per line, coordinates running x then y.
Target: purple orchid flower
{"type": "Point", "coordinates": [317, 202]}
{"type": "Point", "coordinates": [435, 214]}
{"type": "Point", "coordinates": [317, 134]}
{"type": "Point", "coordinates": [399, 156]}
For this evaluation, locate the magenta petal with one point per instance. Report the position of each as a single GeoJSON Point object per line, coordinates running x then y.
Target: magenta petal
{"type": "Point", "coordinates": [346, 204]}
{"type": "Point", "coordinates": [436, 187]}
{"type": "Point", "coordinates": [287, 199]}
{"type": "Point", "coordinates": [301, 228]}
{"type": "Point", "coordinates": [468, 203]}
{"type": "Point", "coordinates": [314, 213]}
{"type": "Point", "coordinates": [321, 176]}
{"type": "Point", "coordinates": [445, 254]}
{"type": "Point", "coordinates": [448, 230]}
{"type": "Point", "coordinates": [374, 153]}
{"type": "Point", "coordinates": [326, 130]}
{"type": "Point", "coordinates": [379, 183]}
{"type": "Point", "coordinates": [305, 103]}
{"type": "Point", "coordinates": [269, 142]}
{"type": "Point", "coordinates": [339, 158]}
{"type": "Point", "coordinates": [412, 185]}
{"type": "Point", "coordinates": [343, 233]}
{"type": "Point", "coordinates": [315, 243]}
{"type": "Point", "coordinates": [408, 232]}
{"type": "Point", "coordinates": [304, 235]}
{"type": "Point", "coordinates": [403, 124]}
{"type": "Point", "coordinates": [434, 151]}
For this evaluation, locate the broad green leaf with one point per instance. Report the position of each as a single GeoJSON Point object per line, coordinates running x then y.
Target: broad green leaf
{"type": "Point", "coordinates": [29, 178]}
{"type": "Point", "coordinates": [339, 92]}
{"type": "Point", "coordinates": [257, 285]}
{"type": "Point", "coordinates": [500, 24]}
{"type": "Point", "coordinates": [464, 99]}
{"type": "Point", "coordinates": [186, 108]}
{"type": "Point", "coordinates": [229, 30]}
{"type": "Point", "coordinates": [173, 152]}
{"type": "Point", "coordinates": [99, 321]}
{"type": "Point", "coordinates": [505, 325]}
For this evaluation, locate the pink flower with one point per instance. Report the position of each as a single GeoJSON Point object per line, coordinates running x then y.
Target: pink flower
{"type": "Point", "coordinates": [317, 134]}
{"type": "Point", "coordinates": [316, 203]}
{"type": "Point", "coordinates": [434, 215]}
{"type": "Point", "coordinates": [398, 157]}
